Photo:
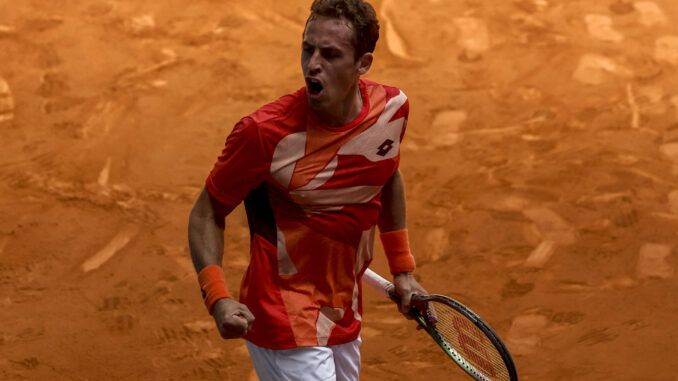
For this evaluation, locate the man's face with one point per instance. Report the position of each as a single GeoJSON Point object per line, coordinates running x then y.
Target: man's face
{"type": "Point", "coordinates": [329, 64]}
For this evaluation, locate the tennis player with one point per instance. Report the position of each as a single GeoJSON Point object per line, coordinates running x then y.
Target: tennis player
{"type": "Point", "coordinates": [317, 170]}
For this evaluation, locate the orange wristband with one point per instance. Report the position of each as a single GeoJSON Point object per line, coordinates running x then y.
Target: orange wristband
{"type": "Point", "coordinates": [212, 285]}
{"type": "Point", "coordinates": [397, 248]}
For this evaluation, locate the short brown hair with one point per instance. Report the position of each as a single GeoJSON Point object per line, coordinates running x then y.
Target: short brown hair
{"type": "Point", "coordinates": [360, 13]}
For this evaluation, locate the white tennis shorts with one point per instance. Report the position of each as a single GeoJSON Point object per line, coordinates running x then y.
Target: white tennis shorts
{"type": "Point", "coordinates": [333, 363]}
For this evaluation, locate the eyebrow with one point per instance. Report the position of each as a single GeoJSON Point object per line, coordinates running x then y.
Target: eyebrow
{"type": "Point", "coordinates": [304, 42]}
{"type": "Point", "coordinates": [321, 47]}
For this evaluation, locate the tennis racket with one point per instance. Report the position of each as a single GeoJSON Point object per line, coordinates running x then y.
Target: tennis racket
{"type": "Point", "coordinates": [462, 334]}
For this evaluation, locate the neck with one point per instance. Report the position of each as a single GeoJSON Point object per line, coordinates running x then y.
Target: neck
{"type": "Point", "coordinates": [345, 113]}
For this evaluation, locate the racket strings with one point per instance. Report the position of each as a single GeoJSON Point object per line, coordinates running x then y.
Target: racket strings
{"type": "Point", "coordinates": [468, 340]}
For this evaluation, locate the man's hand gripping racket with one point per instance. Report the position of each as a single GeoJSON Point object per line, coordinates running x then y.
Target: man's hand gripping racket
{"type": "Point", "coordinates": [462, 334]}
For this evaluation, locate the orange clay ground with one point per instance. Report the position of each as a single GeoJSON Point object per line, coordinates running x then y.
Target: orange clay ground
{"type": "Point", "coordinates": [541, 167]}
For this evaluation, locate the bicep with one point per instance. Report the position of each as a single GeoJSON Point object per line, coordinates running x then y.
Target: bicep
{"type": "Point", "coordinates": [392, 216]}
{"type": "Point", "coordinates": [206, 231]}
{"type": "Point", "coordinates": [208, 208]}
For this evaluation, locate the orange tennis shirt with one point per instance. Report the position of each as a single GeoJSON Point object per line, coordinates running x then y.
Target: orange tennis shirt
{"type": "Point", "coordinates": [312, 196]}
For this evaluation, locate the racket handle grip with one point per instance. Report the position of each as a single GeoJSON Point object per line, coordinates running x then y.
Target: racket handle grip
{"type": "Point", "coordinates": [377, 282]}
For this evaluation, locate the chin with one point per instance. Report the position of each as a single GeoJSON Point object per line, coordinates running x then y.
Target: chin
{"type": "Point", "coordinates": [316, 104]}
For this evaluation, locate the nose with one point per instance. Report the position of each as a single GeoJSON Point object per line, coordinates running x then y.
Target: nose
{"type": "Point", "coordinates": [314, 63]}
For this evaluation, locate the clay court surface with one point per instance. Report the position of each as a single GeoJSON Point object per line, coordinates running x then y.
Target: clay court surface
{"type": "Point", "coordinates": [541, 167]}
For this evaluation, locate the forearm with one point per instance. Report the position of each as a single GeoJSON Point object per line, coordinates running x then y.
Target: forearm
{"type": "Point", "coordinates": [206, 242]}
{"type": "Point", "coordinates": [392, 225]}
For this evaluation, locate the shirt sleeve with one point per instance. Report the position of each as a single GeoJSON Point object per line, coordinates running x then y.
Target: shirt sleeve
{"type": "Point", "coordinates": [404, 112]}
{"type": "Point", "coordinates": [241, 167]}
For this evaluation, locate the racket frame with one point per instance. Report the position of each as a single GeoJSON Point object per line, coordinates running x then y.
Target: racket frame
{"type": "Point", "coordinates": [386, 288]}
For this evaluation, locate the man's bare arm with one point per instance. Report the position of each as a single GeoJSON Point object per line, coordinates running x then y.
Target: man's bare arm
{"type": "Point", "coordinates": [393, 217]}
{"type": "Point", "coordinates": [206, 226]}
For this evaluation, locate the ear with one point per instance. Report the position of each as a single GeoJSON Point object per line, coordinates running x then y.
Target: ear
{"type": "Point", "coordinates": [365, 63]}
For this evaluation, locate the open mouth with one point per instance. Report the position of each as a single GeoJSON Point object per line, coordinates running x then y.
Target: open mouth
{"type": "Point", "coordinates": [314, 86]}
